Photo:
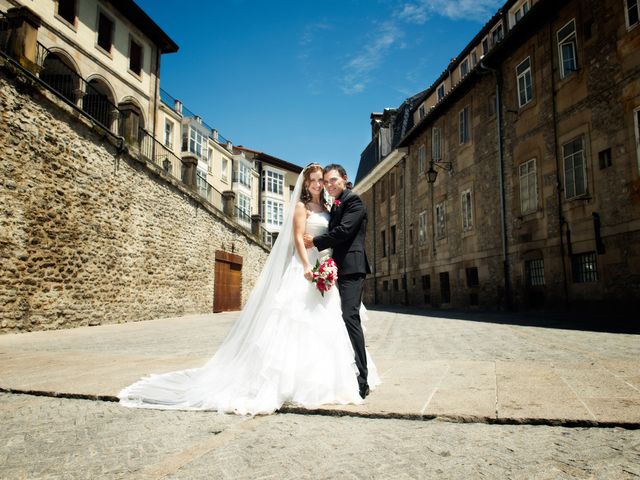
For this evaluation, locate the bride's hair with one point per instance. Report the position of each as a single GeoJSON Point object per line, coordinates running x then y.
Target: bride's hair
{"type": "Point", "coordinates": [305, 195]}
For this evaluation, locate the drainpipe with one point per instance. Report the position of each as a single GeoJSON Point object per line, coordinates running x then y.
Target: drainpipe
{"type": "Point", "coordinates": [155, 103]}
{"type": "Point", "coordinates": [375, 256]}
{"type": "Point", "coordinates": [405, 282]}
{"type": "Point", "coordinates": [561, 220]}
{"type": "Point", "coordinates": [503, 208]}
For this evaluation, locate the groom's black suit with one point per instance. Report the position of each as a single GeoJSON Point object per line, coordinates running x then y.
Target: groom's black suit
{"type": "Point", "coordinates": [347, 227]}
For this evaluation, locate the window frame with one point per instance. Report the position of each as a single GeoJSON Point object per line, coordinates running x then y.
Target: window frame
{"type": "Point", "coordinates": [244, 174]}
{"type": "Point", "coordinates": [168, 138]}
{"type": "Point", "coordinates": [464, 125]}
{"type": "Point", "coordinates": [464, 68]}
{"type": "Point", "coordinates": [527, 72]}
{"type": "Point", "coordinates": [583, 168]}
{"type": "Point", "coordinates": [133, 40]}
{"type": "Point", "coordinates": [629, 25]}
{"type": "Point", "coordinates": [436, 146]}
{"type": "Point", "coordinates": [466, 209]}
{"type": "Point", "coordinates": [198, 139]}
{"type": "Point", "coordinates": [422, 158]}
{"type": "Point", "coordinates": [528, 175]}
{"type": "Point", "coordinates": [636, 122]}
{"type": "Point", "coordinates": [534, 272]}
{"type": "Point", "coordinates": [273, 211]}
{"type": "Point", "coordinates": [441, 92]}
{"type": "Point", "coordinates": [579, 262]}
{"type": "Point", "coordinates": [102, 13]}
{"type": "Point", "coordinates": [71, 24]}
{"type": "Point", "coordinates": [441, 220]}
{"type": "Point", "coordinates": [570, 39]}
{"type": "Point", "coordinates": [421, 112]}
{"type": "Point", "coordinates": [244, 203]}
{"type": "Point", "coordinates": [273, 182]}
{"type": "Point", "coordinates": [422, 228]}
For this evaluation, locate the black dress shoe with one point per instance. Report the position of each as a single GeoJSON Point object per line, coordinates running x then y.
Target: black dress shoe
{"type": "Point", "coordinates": [364, 390]}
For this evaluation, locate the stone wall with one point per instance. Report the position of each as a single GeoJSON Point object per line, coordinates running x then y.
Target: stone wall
{"type": "Point", "coordinates": [90, 234]}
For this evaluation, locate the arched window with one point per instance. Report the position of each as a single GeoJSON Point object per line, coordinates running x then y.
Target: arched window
{"type": "Point", "coordinates": [98, 102]}
{"type": "Point", "coordinates": [61, 76]}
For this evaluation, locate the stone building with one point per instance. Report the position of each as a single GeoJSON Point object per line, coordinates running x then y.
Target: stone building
{"type": "Point", "coordinates": [518, 182]}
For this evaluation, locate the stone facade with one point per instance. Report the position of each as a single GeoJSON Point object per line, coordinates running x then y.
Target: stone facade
{"type": "Point", "coordinates": [534, 237]}
{"type": "Point", "coordinates": [92, 234]}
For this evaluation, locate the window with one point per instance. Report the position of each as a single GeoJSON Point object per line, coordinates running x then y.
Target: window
{"type": "Point", "coordinates": [392, 184]}
{"type": "Point", "coordinates": [585, 268]}
{"type": "Point", "coordinates": [273, 212]}
{"type": "Point", "coordinates": [135, 57]}
{"type": "Point", "coordinates": [464, 68]}
{"type": "Point", "coordinates": [520, 12]}
{"type": "Point", "coordinates": [497, 34]}
{"type": "Point", "coordinates": [441, 92]}
{"type": "Point", "coordinates": [485, 46]}
{"type": "Point", "coordinates": [422, 159]}
{"type": "Point", "coordinates": [421, 112]}
{"type": "Point", "coordinates": [441, 231]}
{"type": "Point", "coordinates": [244, 175]}
{"type": "Point", "coordinates": [67, 10]}
{"type": "Point", "coordinates": [410, 234]}
{"type": "Point", "coordinates": [385, 286]}
{"type": "Point", "coordinates": [436, 146]}
{"type": "Point", "coordinates": [272, 182]}
{"type": "Point", "coordinates": [201, 183]}
{"type": "Point", "coordinates": [392, 239]}
{"type": "Point", "coordinates": [445, 289]}
{"type": "Point", "coordinates": [105, 32]}
{"type": "Point", "coordinates": [534, 270]}
{"type": "Point", "coordinates": [604, 158]}
{"type": "Point", "coordinates": [567, 49]}
{"type": "Point", "coordinates": [474, 59]}
{"type": "Point", "coordinates": [395, 285]}
{"type": "Point", "coordinates": [223, 170]}
{"type": "Point", "coordinates": [383, 241]}
{"type": "Point", "coordinates": [575, 174]}
{"type": "Point", "coordinates": [467, 211]}
{"type": "Point", "coordinates": [464, 125]}
{"type": "Point", "coordinates": [632, 13]}
{"type": "Point", "coordinates": [472, 277]}
{"type": "Point", "coordinates": [525, 82]}
{"type": "Point", "coordinates": [422, 228]}
{"type": "Point", "coordinates": [244, 205]}
{"type": "Point", "coordinates": [168, 134]}
{"type": "Point", "coordinates": [426, 282]}
{"type": "Point", "coordinates": [528, 187]}
{"type": "Point", "coordinates": [197, 143]}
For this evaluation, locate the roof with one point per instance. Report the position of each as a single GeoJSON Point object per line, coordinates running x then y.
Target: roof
{"type": "Point", "coordinates": [130, 10]}
{"type": "Point", "coordinates": [270, 159]}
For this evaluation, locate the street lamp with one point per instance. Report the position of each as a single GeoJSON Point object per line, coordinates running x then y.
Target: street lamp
{"type": "Point", "coordinates": [432, 173]}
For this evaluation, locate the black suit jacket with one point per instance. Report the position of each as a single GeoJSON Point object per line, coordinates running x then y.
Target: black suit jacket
{"type": "Point", "coordinates": [346, 233]}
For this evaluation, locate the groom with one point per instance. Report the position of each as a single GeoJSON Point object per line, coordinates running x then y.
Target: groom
{"type": "Point", "coordinates": [346, 236]}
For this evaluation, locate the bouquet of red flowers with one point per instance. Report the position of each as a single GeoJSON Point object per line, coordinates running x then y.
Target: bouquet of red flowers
{"type": "Point", "coordinates": [325, 275]}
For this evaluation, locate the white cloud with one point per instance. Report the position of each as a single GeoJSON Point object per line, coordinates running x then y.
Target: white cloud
{"type": "Point", "coordinates": [420, 11]}
{"type": "Point", "coordinates": [361, 66]}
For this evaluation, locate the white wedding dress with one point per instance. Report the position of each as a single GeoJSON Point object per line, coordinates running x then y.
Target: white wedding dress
{"type": "Point", "coordinates": [294, 349]}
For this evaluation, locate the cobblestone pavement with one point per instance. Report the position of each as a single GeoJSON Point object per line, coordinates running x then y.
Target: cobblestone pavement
{"type": "Point", "coordinates": [54, 438]}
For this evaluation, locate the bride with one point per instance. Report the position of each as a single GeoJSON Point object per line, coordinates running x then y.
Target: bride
{"type": "Point", "coordinates": [289, 344]}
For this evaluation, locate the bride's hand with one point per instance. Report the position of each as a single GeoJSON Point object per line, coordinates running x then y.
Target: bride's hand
{"type": "Point", "coordinates": [308, 273]}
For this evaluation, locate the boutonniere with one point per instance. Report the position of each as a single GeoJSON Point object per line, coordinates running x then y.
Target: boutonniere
{"type": "Point", "coordinates": [337, 203]}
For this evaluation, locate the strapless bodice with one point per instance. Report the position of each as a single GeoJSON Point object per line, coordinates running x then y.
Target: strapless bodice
{"type": "Point", "coordinates": [317, 224]}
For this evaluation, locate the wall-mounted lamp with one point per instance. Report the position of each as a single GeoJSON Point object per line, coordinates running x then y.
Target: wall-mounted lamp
{"type": "Point", "coordinates": [432, 173]}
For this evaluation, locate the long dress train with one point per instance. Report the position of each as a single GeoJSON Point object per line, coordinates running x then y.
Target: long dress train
{"type": "Point", "coordinates": [298, 352]}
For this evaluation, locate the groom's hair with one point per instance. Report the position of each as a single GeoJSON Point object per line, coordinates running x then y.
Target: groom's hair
{"type": "Point", "coordinates": [335, 166]}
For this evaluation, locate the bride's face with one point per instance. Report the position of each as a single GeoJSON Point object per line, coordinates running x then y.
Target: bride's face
{"type": "Point", "coordinates": [315, 183]}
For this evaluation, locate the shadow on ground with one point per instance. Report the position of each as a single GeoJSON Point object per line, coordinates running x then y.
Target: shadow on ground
{"type": "Point", "coordinates": [626, 322]}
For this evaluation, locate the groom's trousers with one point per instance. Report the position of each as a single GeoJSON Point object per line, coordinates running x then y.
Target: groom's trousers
{"type": "Point", "coordinates": [350, 288]}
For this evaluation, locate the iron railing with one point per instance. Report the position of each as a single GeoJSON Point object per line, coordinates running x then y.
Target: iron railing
{"type": "Point", "coordinates": [156, 152]}
{"type": "Point", "coordinates": [171, 101]}
{"type": "Point", "coordinates": [87, 95]}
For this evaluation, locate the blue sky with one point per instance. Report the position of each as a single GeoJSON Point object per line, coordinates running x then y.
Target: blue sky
{"type": "Point", "coordinates": [299, 79]}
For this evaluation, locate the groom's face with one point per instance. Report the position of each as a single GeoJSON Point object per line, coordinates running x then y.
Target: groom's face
{"type": "Point", "coordinates": [334, 183]}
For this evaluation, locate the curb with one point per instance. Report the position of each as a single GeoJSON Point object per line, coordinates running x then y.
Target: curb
{"type": "Point", "coordinates": [550, 422]}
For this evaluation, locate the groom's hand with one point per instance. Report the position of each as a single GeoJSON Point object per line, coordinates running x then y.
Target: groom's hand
{"type": "Point", "coordinates": [308, 240]}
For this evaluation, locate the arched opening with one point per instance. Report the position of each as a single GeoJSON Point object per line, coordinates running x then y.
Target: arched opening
{"type": "Point", "coordinates": [98, 102]}
{"type": "Point", "coordinates": [58, 73]}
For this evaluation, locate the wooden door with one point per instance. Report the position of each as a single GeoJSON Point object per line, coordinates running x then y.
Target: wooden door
{"type": "Point", "coordinates": [228, 282]}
